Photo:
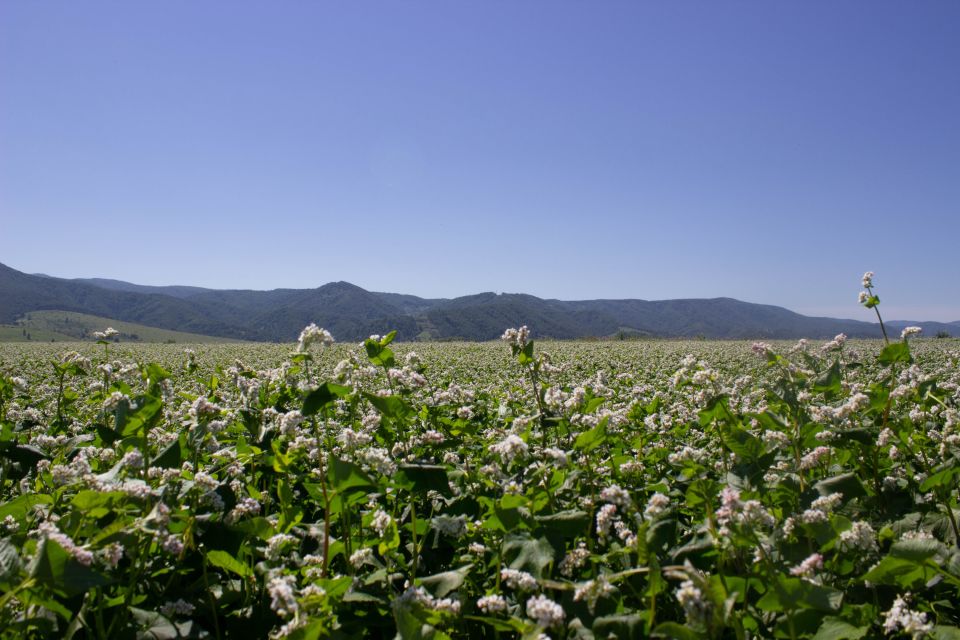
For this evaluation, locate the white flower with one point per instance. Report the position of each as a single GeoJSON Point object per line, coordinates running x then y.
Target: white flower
{"type": "Point", "coordinates": [361, 557]}
{"type": "Point", "coordinates": [510, 447]}
{"type": "Point", "coordinates": [910, 331]}
{"type": "Point", "coordinates": [615, 495]}
{"type": "Point", "coordinates": [692, 601]}
{"type": "Point", "coordinates": [808, 567]}
{"type": "Point", "coordinates": [179, 607]}
{"type": "Point", "coordinates": [592, 591]}
{"type": "Point", "coordinates": [492, 604]}
{"type": "Point", "coordinates": [313, 334]}
{"type": "Point", "coordinates": [283, 599]}
{"type": "Point", "coordinates": [901, 618]}
{"type": "Point", "coordinates": [605, 517]}
{"type": "Point", "coordinates": [657, 504]}
{"type": "Point", "coordinates": [381, 521]}
{"type": "Point", "coordinates": [545, 611]}
{"type": "Point", "coordinates": [860, 536]}
{"type": "Point", "coordinates": [761, 349]}
{"type": "Point", "coordinates": [867, 280]}
{"type": "Point", "coordinates": [518, 579]}
{"type": "Point", "coordinates": [574, 559]}
{"type": "Point", "coordinates": [516, 337]}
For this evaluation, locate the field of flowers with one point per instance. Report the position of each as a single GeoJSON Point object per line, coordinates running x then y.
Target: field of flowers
{"type": "Point", "coordinates": [557, 490]}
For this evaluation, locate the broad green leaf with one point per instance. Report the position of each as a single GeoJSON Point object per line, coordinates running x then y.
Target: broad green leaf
{"type": "Point", "coordinates": [145, 411]}
{"type": "Point", "coordinates": [675, 630]}
{"type": "Point", "coordinates": [528, 554]}
{"type": "Point", "coordinates": [917, 550]}
{"type": "Point", "coordinates": [895, 352]}
{"type": "Point", "coordinates": [789, 594]}
{"type": "Point", "coordinates": [54, 567]}
{"type": "Point", "coordinates": [569, 524]}
{"type": "Point", "coordinates": [390, 406]}
{"type": "Point", "coordinates": [171, 457]}
{"type": "Point", "coordinates": [155, 626]}
{"type": "Point", "coordinates": [592, 439]}
{"type": "Point", "coordinates": [322, 396]}
{"type": "Point", "coordinates": [224, 560]}
{"type": "Point", "coordinates": [848, 484]}
{"type": "Point", "coordinates": [9, 560]}
{"type": "Point", "coordinates": [346, 476]}
{"type": "Point", "coordinates": [716, 409]}
{"type": "Point", "coordinates": [837, 629]}
{"type": "Point", "coordinates": [829, 382]}
{"type": "Point", "coordinates": [21, 506]}
{"type": "Point", "coordinates": [620, 627]}
{"type": "Point", "coordinates": [421, 478]}
{"type": "Point", "coordinates": [441, 584]}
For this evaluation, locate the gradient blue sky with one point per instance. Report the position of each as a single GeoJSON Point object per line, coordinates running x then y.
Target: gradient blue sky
{"type": "Point", "coordinates": [768, 151]}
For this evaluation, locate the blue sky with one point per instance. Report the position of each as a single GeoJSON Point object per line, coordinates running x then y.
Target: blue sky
{"type": "Point", "coordinates": [768, 151]}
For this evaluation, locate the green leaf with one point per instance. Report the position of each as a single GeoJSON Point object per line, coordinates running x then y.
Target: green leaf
{"type": "Point", "coordinates": [346, 476]}
{"type": "Point", "coordinates": [54, 567]}
{"type": "Point", "coordinates": [378, 353]}
{"type": "Point", "coordinates": [568, 524]}
{"type": "Point", "coordinates": [593, 404]}
{"type": "Point", "coordinates": [590, 440]}
{"type": "Point", "coordinates": [716, 409]}
{"type": "Point", "coordinates": [848, 484]}
{"type": "Point", "coordinates": [789, 594]}
{"type": "Point", "coordinates": [323, 396]}
{"type": "Point", "coordinates": [26, 454]}
{"type": "Point", "coordinates": [621, 626]}
{"type": "Point", "coordinates": [895, 352]}
{"type": "Point", "coordinates": [421, 478]}
{"type": "Point", "coordinates": [390, 406]}
{"type": "Point", "coordinates": [899, 571]}
{"type": "Point", "coordinates": [525, 355]}
{"type": "Point", "coordinates": [917, 550]}
{"type": "Point", "coordinates": [829, 382]}
{"type": "Point", "coordinates": [224, 560]}
{"type": "Point", "coordinates": [155, 626]}
{"type": "Point", "coordinates": [9, 560]}
{"type": "Point", "coordinates": [837, 629]}
{"type": "Point", "coordinates": [21, 506]}
{"type": "Point", "coordinates": [171, 457]}
{"type": "Point", "coordinates": [944, 632]}
{"type": "Point", "coordinates": [942, 478]}
{"type": "Point", "coordinates": [743, 443]}
{"type": "Point", "coordinates": [88, 499]}
{"type": "Point", "coordinates": [135, 421]}
{"type": "Point", "coordinates": [528, 554]}
{"type": "Point", "coordinates": [443, 583]}
{"type": "Point", "coordinates": [155, 373]}
{"type": "Point", "coordinates": [675, 630]}
{"type": "Point", "coordinates": [311, 631]}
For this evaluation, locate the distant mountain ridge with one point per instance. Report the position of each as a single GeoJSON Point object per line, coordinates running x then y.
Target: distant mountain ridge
{"type": "Point", "coordinates": [351, 313]}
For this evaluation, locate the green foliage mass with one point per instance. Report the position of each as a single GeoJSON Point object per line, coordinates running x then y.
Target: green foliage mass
{"type": "Point", "coordinates": [449, 490]}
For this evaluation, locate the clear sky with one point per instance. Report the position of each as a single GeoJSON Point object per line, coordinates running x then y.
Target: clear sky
{"type": "Point", "coordinates": [767, 151]}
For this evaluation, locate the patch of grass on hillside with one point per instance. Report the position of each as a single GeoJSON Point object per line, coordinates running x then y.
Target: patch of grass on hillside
{"type": "Point", "coordinates": [16, 333]}
{"type": "Point", "coordinates": [61, 326]}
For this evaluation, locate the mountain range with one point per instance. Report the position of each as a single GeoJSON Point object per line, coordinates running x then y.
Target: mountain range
{"type": "Point", "coordinates": [351, 313]}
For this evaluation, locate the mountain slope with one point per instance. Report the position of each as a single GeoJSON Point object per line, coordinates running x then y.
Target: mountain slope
{"type": "Point", "coordinates": [21, 293]}
{"type": "Point", "coordinates": [60, 326]}
{"type": "Point", "coordinates": [352, 313]}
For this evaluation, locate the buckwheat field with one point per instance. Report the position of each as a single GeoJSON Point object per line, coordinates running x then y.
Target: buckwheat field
{"type": "Point", "coordinates": [520, 489]}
